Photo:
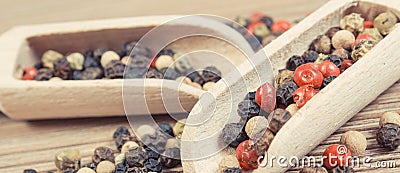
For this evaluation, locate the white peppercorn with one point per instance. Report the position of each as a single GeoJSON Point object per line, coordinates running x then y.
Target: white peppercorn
{"type": "Point", "coordinates": [145, 130]}
{"type": "Point", "coordinates": [49, 57]}
{"type": "Point", "coordinates": [164, 61]}
{"type": "Point", "coordinates": [105, 167]}
{"type": "Point", "coordinates": [128, 145]}
{"type": "Point", "coordinates": [384, 22]}
{"type": "Point", "coordinates": [120, 158]}
{"type": "Point", "coordinates": [85, 170]}
{"type": "Point", "coordinates": [178, 128]}
{"type": "Point", "coordinates": [322, 44]}
{"type": "Point", "coordinates": [208, 85]}
{"type": "Point", "coordinates": [107, 57]}
{"type": "Point", "coordinates": [389, 117]}
{"type": "Point", "coordinates": [76, 61]}
{"type": "Point", "coordinates": [292, 109]}
{"type": "Point", "coordinates": [355, 141]}
{"type": "Point", "coordinates": [68, 159]}
{"type": "Point", "coordinates": [255, 125]}
{"type": "Point", "coordinates": [343, 39]}
{"type": "Point", "coordinates": [229, 161]}
{"type": "Point", "coordinates": [352, 22]}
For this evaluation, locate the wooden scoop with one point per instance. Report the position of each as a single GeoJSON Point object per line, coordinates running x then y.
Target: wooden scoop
{"type": "Point", "coordinates": [323, 114]}
{"type": "Point", "coordinates": [23, 46]}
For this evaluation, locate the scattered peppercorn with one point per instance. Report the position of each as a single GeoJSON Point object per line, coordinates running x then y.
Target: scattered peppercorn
{"type": "Point", "coordinates": [248, 109]}
{"type": "Point", "coordinates": [277, 119]}
{"type": "Point", "coordinates": [62, 68]}
{"type": "Point", "coordinates": [346, 64]}
{"type": "Point", "coordinates": [374, 33]}
{"type": "Point", "coordinates": [308, 74]}
{"type": "Point", "coordinates": [362, 48]}
{"type": "Point", "coordinates": [355, 141]}
{"type": "Point", "coordinates": [196, 77]}
{"type": "Point", "coordinates": [108, 57]}
{"type": "Point", "coordinates": [388, 136]}
{"type": "Point", "coordinates": [76, 61]}
{"type": "Point", "coordinates": [49, 57]}
{"type": "Point", "coordinates": [121, 168]}
{"type": "Point", "coordinates": [328, 68]}
{"type": "Point", "coordinates": [332, 31]}
{"type": "Point", "coordinates": [283, 76]}
{"type": "Point", "coordinates": [178, 128]}
{"type": "Point", "coordinates": [68, 159]}
{"type": "Point", "coordinates": [135, 156]}
{"type": "Point", "coordinates": [284, 94]}
{"type": "Point", "coordinates": [155, 141]}
{"type": "Point", "coordinates": [335, 60]}
{"type": "Point", "coordinates": [294, 62]}
{"type": "Point", "coordinates": [97, 53]}
{"type": "Point", "coordinates": [336, 155]}
{"type": "Point", "coordinates": [353, 23]}
{"type": "Point", "coordinates": [359, 38]}
{"type": "Point", "coordinates": [343, 39]}
{"type": "Point", "coordinates": [322, 44]}
{"type": "Point", "coordinates": [246, 155]}
{"type": "Point", "coordinates": [103, 153]}
{"type": "Point", "coordinates": [310, 56]}
{"type": "Point", "coordinates": [92, 73]}
{"type": "Point", "coordinates": [135, 72]}
{"type": "Point", "coordinates": [114, 69]}
{"type": "Point", "coordinates": [233, 134]}
{"type": "Point", "coordinates": [389, 117]}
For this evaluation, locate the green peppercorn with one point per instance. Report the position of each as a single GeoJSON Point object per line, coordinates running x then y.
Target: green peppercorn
{"type": "Point", "coordinates": [384, 22]}
{"type": "Point", "coordinates": [68, 159]}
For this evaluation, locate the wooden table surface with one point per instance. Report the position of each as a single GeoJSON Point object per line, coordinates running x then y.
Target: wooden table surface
{"type": "Point", "coordinates": [32, 144]}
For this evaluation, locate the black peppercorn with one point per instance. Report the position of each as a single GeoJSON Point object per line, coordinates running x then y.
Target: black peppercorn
{"type": "Point", "coordinates": [332, 31]}
{"type": "Point", "coordinates": [77, 75]}
{"type": "Point", "coordinates": [153, 165]}
{"type": "Point", "coordinates": [151, 154]}
{"type": "Point", "coordinates": [97, 53]}
{"type": "Point", "coordinates": [154, 73]}
{"type": "Point", "coordinates": [121, 168]}
{"type": "Point", "coordinates": [250, 96]}
{"type": "Point", "coordinates": [327, 80]}
{"type": "Point", "coordinates": [342, 169]}
{"type": "Point", "coordinates": [121, 130]}
{"type": "Point", "coordinates": [284, 94]}
{"type": "Point", "coordinates": [267, 20]}
{"type": "Point", "coordinates": [211, 74]}
{"type": "Point", "coordinates": [114, 69]}
{"type": "Point", "coordinates": [43, 74]}
{"type": "Point", "coordinates": [277, 119]}
{"type": "Point", "coordinates": [90, 61]}
{"type": "Point", "coordinates": [121, 136]}
{"type": "Point", "coordinates": [139, 61]}
{"type": "Point", "coordinates": [196, 77]}
{"type": "Point", "coordinates": [233, 134]}
{"type": "Point", "coordinates": [388, 136]}
{"type": "Point", "coordinates": [135, 49]}
{"type": "Point", "coordinates": [136, 72]}
{"type": "Point", "coordinates": [135, 156]}
{"type": "Point", "coordinates": [170, 73]}
{"type": "Point", "coordinates": [30, 171]}
{"type": "Point", "coordinates": [92, 73]}
{"type": "Point", "coordinates": [62, 68]}
{"type": "Point", "coordinates": [335, 59]}
{"type": "Point", "coordinates": [232, 170]}
{"type": "Point", "coordinates": [155, 141]}
{"type": "Point", "coordinates": [168, 52]}
{"type": "Point", "coordinates": [38, 66]}
{"type": "Point", "coordinates": [171, 157]}
{"type": "Point", "coordinates": [248, 109]}
{"type": "Point", "coordinates": [310, 56]}
{"type": "Point", "coordinates": [294, 62]}
{"type": "Point", "coordinates": [166, 128]}
{"type": "Point", "coordinates": [103, 153]}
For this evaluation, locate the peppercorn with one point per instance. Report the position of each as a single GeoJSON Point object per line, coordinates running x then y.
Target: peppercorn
{"type": "Point", "coordinates": [168, 52]}
{"type": "Point", "coordinates": [322, 44]}
{"type": "Point", "coordinates": [92, 73]}
{"type": "Point", "coordinates": [233, 134]}
{"type": "Point", "coordinates": [283, 76]}
{"type": "Point", "coordinates": [207, 86]}
{"type": "Point", "coordinates": [121, 168]}
{"type": "Point", "coordinates": [145, 130]}
{"type": "Point", "coordinates": [353, 23]}
{"type": "Point", "coordinates": [135, 72]}
{"type": "Point", "coordinates": [166, 128]}
{"type": "Point", "coordinates": [342, 169]}
{"type": "Point", "coordinates": [242, 20]}
{"type": "Point", "coordinates": [120, 158]}
{"type": "Point", "coordinates": [328, 68]}
{"type": "Point", "coordinates": [49, 57]}
{"type": "Point", "coordinates": [280, 26]}
{"type": "Point", "coordinates": [30, 171]}
{"type": "Point", "coordinates": [171, 157]}
{"type": "Point", "coordinates": [103, 153]}
{"type": "Point", "coordinates": [90, 61]}
{"type": "Point", "coordinates": [267, 20]}
{"type": "Point", "coordinates": [310, 56]}
{"type": "Point", "coordinates": [178, 128]}
{"type": "Point", "coordinates": [154, 73]}
{"type": "Point", "coordinates": [232, 170]}
{"type": "Point", "coordinates": [248, 109]}
{"type": "Point", "coordinates": [151, 154]}
{"type": "Point", "coordinates": [97, 53]}
{"type": "Point", "coordinates": [127, 145]}
{"type": "Point", "coordinates": [183, 66]}
{"type": "Point", "coordinates": [313, 170]}
{"type": "Point", "coordinates": [388, 136]}
{"type": "Point", "coordinates": [334, 59]}
{"type": "Point", "coordinates": [76, 61]}
{"type": "Point", "coordinates": [155, 141]}
{"type": "Point", "coordinates": [196, 77]}
{"type": "Point", "coordinates": [389, 117]}
{"type": "Point", "coordinates": [85, 170]}
{"type": "Point", "coordinates": [135, 156]}
{"type": "Point", "coordinates": [361, 37]}
{"type": "Point", "coordinates": [108, 57]}
{"type": "Point", "coordinates": [355, 141]}
{"type": "Point", "coordinates": [327, 81]}
{"type": "Point", "coordinates": [384, 22]}
{"type": "Point", "coordinates": [134, 49]}
{"type": "Point", "coordinates": [331, 31]}
{"type": "Point", "coordinates": [139, 61]}
{"type": "Point", "coordinates": [294, 62]}
{"type": "Point", "coordinates": [246, 155]}
{"type": "Point", "coordinates": [105, 167]}
{"type": "Point", "coordinates": [170, 73]}
{"type": "Point", "coordinates": [228, 161]}
{"type": "Point", "coordinates": [343, 39]}
{"type": "Point", "coordinates": [292, 109]}
{"type": "Point", "coordinates": [137, 170]}
{"type": "Point", "coordinates": [62, 69]}
{"type": "Point", "coordinates": [68, 159]}
{"type": "Point", "coordinates": [308, 74]}
{"type": "Point", "coordinates": [374, 33]}
{"type": "Point", "coordinates": [76, 75]}
{"type": "Point", "coordinates": [346, 64]}
{"type": "Point", "coordinates": [303, 94]}
{"type": "Point", "coordinates": [336, 155]}
{"type": "Point", "coordinates": [255, 125]}
{"type": "Point", "coordinates": [342, 53]}
{"type": "Point", "coordinates": [164, 61]}
{"type": "Point", "coordinates": [277, 119]}
{"type": "Point", "coordinates": [211, 74]}
{"type": "Point", "coordinates": [266, 97]}
{"type": "Point", "coordinates": [153, 165]}
{"type": "Point", "coordinates": [284, 94]}
{"type": "Point", "coordinates": [114, 69]}
{"type": "Point", "coordinates": [261, 30]}
{"type": "Point", "coordinates": [264, 139]}
{"type": "Point", "coordinates": [29, 73]}
{"type": "Point", "coordinates": [362, 48]}
{"type": "Point", "coordinates": [321, 58]}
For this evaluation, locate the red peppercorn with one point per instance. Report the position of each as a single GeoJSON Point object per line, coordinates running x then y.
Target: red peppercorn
{"type": "Point", "coordinates": [308, 74]}
{"type": "Point", "coordinates": [252, 26]}
{"type": "Point", "coordinates": [368, 24]}
{"type": "Point", "coordinates": [266, 97]}
{"type": "Point", "coordinates": [153, 62]}
{"type": "Point", "coordinates": [256, 16]}
{"type": "Point", "coordinates": [361, 37]}
{"type": "Point", "coordinates": [336, 155]}
{"type": "Point", "coordinates": [246, 155]}
{"type": "Point", "coordinates": [280, 26]}
{"type": "Point", "coordinates": [346, 64]}
{"type": "Point", "coordinates": [328, 68]}
{"type": "Point", "coordinates": [303, 94]}
{"type": "Point", "coordinates": [29, 73]}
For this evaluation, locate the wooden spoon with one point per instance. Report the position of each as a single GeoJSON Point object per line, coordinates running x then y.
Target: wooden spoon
{"type": "Point", "coordinates": [323, 114]}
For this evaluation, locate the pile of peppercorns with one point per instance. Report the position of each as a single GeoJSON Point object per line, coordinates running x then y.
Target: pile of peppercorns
{"type": "Point", "coordinates": [260, 26]}
{"type": "Point", "coordinates": [103, 63]}
{"type": "Point", "coordinates": [265, 111]}
{"type": "Point", "coordinates": [150, 151]}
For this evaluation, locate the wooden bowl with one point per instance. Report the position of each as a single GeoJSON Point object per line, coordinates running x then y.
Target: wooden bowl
{"type": "Point", "coordinates": [22, 47]}
{"type": "Point", "coordinates": [333, 106]}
